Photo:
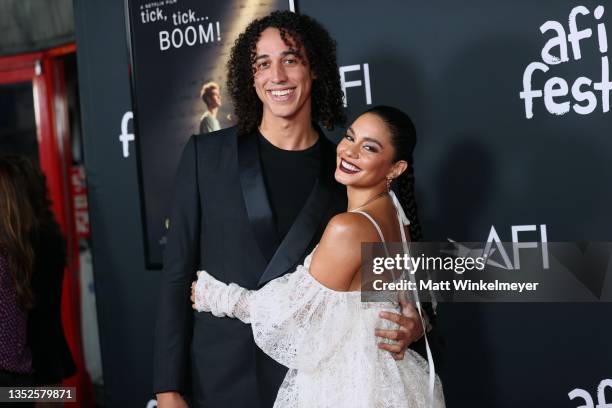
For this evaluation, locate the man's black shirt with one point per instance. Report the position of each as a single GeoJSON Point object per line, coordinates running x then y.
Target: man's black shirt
{"type": "Point", "coordinates": [289, 176]}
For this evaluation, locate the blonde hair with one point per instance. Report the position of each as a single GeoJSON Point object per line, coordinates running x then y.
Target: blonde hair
{"type": "Point", "coordinates": [207, 89]}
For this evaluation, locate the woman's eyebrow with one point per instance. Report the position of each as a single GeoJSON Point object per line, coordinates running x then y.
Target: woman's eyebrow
{"type": "Point", "coordinates": [369, 139]}
{"type": "Point", "coordinates": [366, 138]}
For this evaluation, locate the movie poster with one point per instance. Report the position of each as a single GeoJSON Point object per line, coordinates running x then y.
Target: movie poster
{"type": "Point", "coordinates": [179, 50]}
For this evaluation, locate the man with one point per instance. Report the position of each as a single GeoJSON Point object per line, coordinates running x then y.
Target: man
{"type": "Point", "coordinates": [251, 202]}
{"type": "Point", "coordinates": [211, 97]}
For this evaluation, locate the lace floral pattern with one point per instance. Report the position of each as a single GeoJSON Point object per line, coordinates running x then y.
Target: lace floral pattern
{"type": "Point", "coordinates": [326, 338]}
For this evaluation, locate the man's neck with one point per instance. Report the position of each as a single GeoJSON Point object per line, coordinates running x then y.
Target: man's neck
{"type": "Point", "coordinates": [288, 134]}
{"type": "Point", "coordinates": [213, 112]}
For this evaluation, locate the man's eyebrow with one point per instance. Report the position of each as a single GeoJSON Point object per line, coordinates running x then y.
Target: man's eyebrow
{"type": "Point", "coordinates": [291, 52]}
{"type": "Point", "coordinates": [283, 54]}
{"type": "Point", "coordinates": [263, 56]}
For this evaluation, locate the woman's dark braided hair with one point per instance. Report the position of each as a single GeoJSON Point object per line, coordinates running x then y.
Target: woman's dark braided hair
{"type": "Point", "coordinates": [304, 34]}
{"type": "Point", "coordinates": [403, 138]}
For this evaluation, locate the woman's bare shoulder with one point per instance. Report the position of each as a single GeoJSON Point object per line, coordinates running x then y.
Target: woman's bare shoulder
{"type": "Point", "coordinates": [338, 256]}
{"type": "Point", "coordinates": [350, 226]}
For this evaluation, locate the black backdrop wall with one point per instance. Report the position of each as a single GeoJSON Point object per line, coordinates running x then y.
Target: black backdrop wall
{"type": "Point", "coordinates": [458, 69]}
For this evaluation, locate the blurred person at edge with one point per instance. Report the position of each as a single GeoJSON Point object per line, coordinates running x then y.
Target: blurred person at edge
{"type": "Point", "coordinates": [50, 356]}
{"type": "Point", "coordinates": [17, 222]}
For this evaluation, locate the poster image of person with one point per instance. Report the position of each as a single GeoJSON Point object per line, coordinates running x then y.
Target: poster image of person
{"type": "Point", "coordinates": [211, 96]}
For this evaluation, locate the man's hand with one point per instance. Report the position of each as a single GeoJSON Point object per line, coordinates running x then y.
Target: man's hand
{"type": "Point", "coordinates": [170, 399]}
{"type": "Point", "coordinates": [411, 329]}
{"type": "Point", "coordinates": [192, 297]}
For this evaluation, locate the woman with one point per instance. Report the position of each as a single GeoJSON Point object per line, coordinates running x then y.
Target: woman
{"type": "Point", "coordinates": [313, 320]}
{"type": "Point", "coordinates": [17, 221]}
{"type": "Point", "coordinates": [51, 358]}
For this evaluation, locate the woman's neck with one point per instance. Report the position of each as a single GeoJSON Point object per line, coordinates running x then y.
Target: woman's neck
{"type": "Point", "coordinates": [358, 198]}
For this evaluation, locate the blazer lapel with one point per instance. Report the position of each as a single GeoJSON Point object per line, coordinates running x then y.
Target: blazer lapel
{"type": "Point", "coordinates": [255, 195]}
{"type": "Point", "coordinates": [308, 221]}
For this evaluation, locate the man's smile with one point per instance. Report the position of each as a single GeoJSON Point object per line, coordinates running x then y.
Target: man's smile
{"type": "Point", "coordinates": [281, 95]}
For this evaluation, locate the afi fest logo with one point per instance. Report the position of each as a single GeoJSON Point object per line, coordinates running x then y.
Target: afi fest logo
{"type": "Point", "coordinates": [126, 137]}
{"type": "Point", "coordinates": [494, 245]}
{"type": "Point", "coordinates": [564, 48]}
{"type": "Point", "coordinates": [344, 83]}
{"type": "Point", "coordinates": [588, 400]}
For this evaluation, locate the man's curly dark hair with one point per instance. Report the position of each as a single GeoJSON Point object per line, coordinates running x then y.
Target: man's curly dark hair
{"type": "Point", "coordinates": [320, 49]}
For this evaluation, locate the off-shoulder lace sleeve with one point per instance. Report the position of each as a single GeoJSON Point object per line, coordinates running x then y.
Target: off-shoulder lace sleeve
{"type": "Point", "coordinates": [295, 319]}
{"type": "Point", "coordinates": [221, 299]}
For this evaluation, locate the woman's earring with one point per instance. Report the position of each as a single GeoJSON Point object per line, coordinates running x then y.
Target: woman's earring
{"type": "Point", "coordinates": [389, 179]}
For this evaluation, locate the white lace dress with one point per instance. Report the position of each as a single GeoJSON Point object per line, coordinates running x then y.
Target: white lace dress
{"type": "Point", "coordinates": [326, 339]}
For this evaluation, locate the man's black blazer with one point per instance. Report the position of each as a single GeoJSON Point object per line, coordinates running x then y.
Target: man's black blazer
{"type": "Point", "coordinates": [222, 222]}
